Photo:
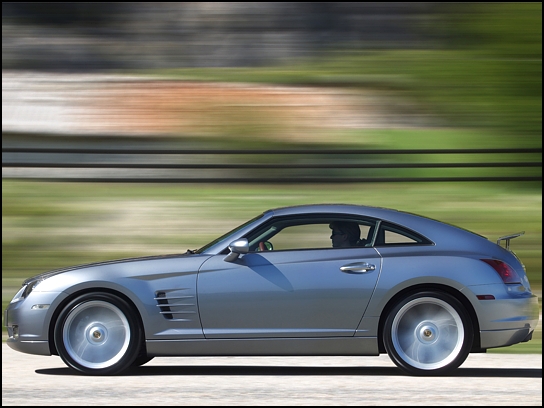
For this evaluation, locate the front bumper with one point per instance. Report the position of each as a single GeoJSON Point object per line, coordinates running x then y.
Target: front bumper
{"type": "Point", "coordinates": [28, 321]}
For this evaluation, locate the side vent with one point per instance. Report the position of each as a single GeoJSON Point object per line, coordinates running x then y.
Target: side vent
{"type": "Point", "coordinates": [176, 304]}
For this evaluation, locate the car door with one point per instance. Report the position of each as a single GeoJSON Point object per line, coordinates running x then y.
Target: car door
{"type": "Point", "coordinates": [287, 293]}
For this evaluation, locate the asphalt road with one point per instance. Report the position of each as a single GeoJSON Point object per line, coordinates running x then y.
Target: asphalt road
{"type": "Point", "coordinates": [484, 379]}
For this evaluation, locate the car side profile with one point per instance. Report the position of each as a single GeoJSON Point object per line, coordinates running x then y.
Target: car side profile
{"type": "Point", "coordinates": [322, 279]}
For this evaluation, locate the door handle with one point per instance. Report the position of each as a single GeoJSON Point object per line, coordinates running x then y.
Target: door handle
{"type": "Point", "coordinates": [358, 267]}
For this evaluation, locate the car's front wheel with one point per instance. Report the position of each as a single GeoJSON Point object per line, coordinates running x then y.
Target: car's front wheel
{"type": "Point", "coordinates": [98, 334]}
{"type": "Point", "coordinates": [428, 333]}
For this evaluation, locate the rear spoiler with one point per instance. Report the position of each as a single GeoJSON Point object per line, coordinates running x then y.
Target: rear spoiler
{"type": "Point", "coordinates": [507, 238]}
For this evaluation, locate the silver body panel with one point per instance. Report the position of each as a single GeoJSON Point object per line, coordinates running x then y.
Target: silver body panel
{"type": "Point", "coordinates": [303, 295]}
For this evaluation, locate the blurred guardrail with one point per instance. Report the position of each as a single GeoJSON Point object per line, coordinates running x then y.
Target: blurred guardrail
{"type": "Point", "coordinates": [272, 166]}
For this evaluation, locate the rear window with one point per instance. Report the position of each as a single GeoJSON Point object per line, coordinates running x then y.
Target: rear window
{"type": "Point", "coordinates": [389, 235]}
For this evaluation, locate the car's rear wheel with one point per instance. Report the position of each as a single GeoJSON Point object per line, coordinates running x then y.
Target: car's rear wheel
{"type": "Point", "coordinates": [428, 333]}
{"type": "Point", "coordinates": [98, 334]}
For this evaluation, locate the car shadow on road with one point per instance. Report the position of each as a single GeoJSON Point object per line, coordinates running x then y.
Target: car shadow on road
{"type": "Point", "coordinates": [213, 370]}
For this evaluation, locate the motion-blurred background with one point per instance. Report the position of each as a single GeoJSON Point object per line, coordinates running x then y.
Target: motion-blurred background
{"type": "Point", "coordinates": [135, 129]}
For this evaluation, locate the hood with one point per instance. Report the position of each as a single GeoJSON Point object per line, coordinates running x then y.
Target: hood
{"type": "Point", "coordinates": [54, 272]}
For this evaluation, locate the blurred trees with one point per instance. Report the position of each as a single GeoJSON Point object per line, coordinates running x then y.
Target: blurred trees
{"type": "Point", "coordinates": [199, 34]}
{"type": "Point", "coordinates": [505, 42]}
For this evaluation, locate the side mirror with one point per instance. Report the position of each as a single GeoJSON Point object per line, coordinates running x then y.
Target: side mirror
{"type": "Point", "coordinates": [237, 248]}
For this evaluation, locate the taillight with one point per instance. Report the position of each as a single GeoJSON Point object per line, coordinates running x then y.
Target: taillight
{"type": "Point", "coordinates": [505, 271]}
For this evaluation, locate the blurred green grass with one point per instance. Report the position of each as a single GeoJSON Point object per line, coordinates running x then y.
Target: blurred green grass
{"type": "Point", "coordinates": [47, 225]}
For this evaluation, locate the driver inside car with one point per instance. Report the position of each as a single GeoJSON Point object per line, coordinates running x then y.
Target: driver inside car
{"type": "Point", "coordinates": [344, 234]}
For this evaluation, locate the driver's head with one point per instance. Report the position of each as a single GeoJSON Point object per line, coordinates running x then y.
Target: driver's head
{"type": "Point", "coordinates": [344, 233]}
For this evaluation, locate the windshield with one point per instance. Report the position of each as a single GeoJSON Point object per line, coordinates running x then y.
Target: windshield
{"type": "Point", "coordinates": [222, 237]}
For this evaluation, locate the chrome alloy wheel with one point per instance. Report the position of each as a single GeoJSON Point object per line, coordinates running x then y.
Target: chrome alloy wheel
{"type": "Point", "coordinates": [427, 333]}
{"type": "Point", "coordinates": [96, 334]}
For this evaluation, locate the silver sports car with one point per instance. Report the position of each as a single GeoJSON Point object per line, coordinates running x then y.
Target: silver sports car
{"type": "Point", "coordinates": [305, 280]}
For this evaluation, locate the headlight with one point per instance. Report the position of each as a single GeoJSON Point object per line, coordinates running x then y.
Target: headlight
{"type": "Point", "coordinates": [25, 291]}
{"type": "Point", "coordinates": [19, 295]}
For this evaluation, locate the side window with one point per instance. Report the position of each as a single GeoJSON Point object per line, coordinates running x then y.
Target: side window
{"type": "Point", "coordinates": [302, 237]}
{"type": "Point", "coordinates": [320, 231]}
{"type": "Point", "coordinates": [365, 230]}
{"type": "Point", "coordinates": [395, 237]}
{"type": "Point", "coordinates": [389, 234]}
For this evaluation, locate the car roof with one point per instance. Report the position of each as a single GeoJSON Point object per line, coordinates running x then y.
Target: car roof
{"type": "Point", "coordinates": [431, 228]}
{"type": "Point", "coordinates": [377, 212]}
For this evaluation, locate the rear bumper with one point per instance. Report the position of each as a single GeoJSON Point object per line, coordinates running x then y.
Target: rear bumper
{"type": "Point", "coordinates": [516, 327]}
{"type": "Point", "coordinates": [503, 338]}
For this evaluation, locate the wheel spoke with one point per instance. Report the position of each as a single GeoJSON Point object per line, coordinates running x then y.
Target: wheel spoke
{"type": "Point", "coordinates": [444, 317]}
{"type": "Point", "coordinates": [430, 354]}
{"type": "Point", "coordinates": [407, 340]}
{"type": "Point", "coordinates": [412, 349]}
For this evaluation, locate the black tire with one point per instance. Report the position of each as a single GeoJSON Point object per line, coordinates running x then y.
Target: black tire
{"type": "Point", "coordinates": [98, 334]}
{"type": "Point", "coordinates": [142, 357]}
{"type": "Point", "coordinates": [428, 333]}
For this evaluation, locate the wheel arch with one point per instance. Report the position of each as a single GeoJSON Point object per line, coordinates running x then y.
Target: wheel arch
{"type": "Point", "coordinates": [430, 287]}
{"type": "Point", "coordinates": [62, 305]}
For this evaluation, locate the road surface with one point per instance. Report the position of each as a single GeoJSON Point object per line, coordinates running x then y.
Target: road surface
{"type": "Point", "coordinates": [484, 379]}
